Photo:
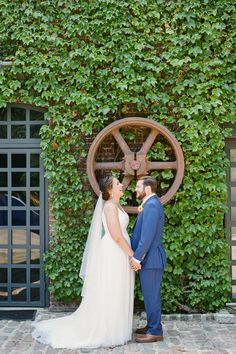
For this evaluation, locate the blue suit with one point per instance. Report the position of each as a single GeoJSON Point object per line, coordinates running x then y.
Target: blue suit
{"type": "Point", "coordinates": [146, 242]}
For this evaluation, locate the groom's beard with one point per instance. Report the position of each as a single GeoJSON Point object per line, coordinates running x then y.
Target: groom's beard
{"type": "Point", "coordinates": [141, 195]}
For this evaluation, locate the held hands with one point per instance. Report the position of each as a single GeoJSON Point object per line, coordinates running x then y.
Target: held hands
{"type": "Point", "coordinates": [135, 265]}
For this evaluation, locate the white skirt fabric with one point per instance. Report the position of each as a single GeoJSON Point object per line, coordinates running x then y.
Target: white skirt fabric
{"type": "Point", "coordinates": [104, 317]}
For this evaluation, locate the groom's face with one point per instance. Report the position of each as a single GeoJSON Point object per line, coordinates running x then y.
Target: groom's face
{"type": "Point", "coordinates": [140, 190]}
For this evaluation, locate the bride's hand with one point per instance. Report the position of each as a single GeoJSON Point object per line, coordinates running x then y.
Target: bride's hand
{"type": "Point", "coordinates": [135, 265]}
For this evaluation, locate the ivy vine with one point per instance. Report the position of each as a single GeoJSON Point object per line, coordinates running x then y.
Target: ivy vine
{"type": "Point", "coordinates": [93, 62]}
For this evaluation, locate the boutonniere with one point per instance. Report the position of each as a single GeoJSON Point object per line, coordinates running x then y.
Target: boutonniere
{"type": "Point", "coordinates": [140, 208]}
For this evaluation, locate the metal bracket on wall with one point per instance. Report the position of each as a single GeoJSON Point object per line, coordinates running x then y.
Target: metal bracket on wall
{"type": "Point", "coordinates": [5, 63]}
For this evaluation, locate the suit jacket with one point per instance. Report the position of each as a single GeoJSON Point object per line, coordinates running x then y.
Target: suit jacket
{"type": "Point", "coordinates": [146, 240]}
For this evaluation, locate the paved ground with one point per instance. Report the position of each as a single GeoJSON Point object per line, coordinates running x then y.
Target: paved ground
{"type": "Point", "coordinates": [181, 336]}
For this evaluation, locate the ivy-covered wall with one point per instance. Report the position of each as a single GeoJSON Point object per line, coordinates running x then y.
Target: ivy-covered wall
{"type": "Point", "coordinates": [88, 62]}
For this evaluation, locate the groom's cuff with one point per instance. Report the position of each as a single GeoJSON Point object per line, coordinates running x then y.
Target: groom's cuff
{"type": "Point", "coordinates": [136, 260]}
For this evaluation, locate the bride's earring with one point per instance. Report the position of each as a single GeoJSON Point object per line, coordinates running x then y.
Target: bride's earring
{"type": "Point", "coordinates": [112, 195]}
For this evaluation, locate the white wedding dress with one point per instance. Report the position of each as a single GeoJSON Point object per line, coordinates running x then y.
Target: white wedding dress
{"type": "Point", "coordinates": [104, 317]}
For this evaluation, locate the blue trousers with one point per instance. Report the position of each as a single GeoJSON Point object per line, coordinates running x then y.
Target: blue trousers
{"type": "Point", "coordinates": [150, 283]}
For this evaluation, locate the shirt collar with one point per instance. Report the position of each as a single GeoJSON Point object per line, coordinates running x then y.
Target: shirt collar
{"type": "Point", "coordinates": [148, 197]}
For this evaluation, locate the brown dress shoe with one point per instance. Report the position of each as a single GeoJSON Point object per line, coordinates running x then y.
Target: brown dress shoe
{"type": "Point", "coordinates": [142, 330]}
{"type": "Point", "coordinates": [149, 338]}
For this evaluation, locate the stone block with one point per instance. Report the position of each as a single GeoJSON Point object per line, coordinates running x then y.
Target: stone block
{"type": "Point", "coordinates": [224, 316]}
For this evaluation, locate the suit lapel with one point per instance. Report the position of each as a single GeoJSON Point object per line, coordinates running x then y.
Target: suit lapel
{"type": "Point", "coordinates": [154, 196]}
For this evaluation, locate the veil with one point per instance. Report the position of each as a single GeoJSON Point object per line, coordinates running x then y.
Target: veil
{"type": "Point", "coordinates": [89, 266]}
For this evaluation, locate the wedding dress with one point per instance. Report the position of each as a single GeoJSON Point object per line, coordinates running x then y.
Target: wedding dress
{"type": "Point", "coordinates": [104, 317]}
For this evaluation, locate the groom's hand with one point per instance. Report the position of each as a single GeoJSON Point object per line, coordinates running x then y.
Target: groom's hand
{"type": "Point", "coordinates": [135, 265]}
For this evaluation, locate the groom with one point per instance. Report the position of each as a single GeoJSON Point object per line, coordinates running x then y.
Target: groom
{"type": "Point", "coordinates": [149, 256]}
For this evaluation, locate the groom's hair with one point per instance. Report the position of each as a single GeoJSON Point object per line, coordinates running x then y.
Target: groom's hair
{"type": "Point", "coordinates": [149, 181]}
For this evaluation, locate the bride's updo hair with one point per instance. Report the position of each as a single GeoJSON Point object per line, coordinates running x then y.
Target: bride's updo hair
{"type": "Point", "coordinates": [105, 185]}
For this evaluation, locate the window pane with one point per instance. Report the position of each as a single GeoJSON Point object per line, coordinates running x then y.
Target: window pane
{"type": "Point", "coordinates": [3, 256]}
{"type": "Point", "coordinates": [3, 294]}
{"type": "Point", "coordinates": [234, 291]}
{"type": "Point", "coordinates": [19, 237]}
{"type": "Point", "coordinates": [3, 237]}
{"type": "Point", "coordinates": [18, 198]}
{"type": "Point", "coordinates": [3, 218]}
{"type": "Point", "coordinates": [234, 272]}
{"type": "Point", "coordinates": [18, 256]}
{"type": "Point", "coordinates": [233, 253]}
{"type": "Point", "coordinates": [3, 179]}
{"type": "Point", "coordinates": [35, 276]}
{"type": "Point", "coordinates": [3, 132]}
{"type": "Point", "coordinates": [35, 115]}
{"type": "Point", "coordinates": [3, 275]}
{"type": "Point", "coordinates": [233, 213]}
{"type": "Point", "coordinates": [34, 217]}
{"type": "Point", "coordinates": [18, 160]}
{"type": "Point", "coordinates": [18, 275]}
{"type": "Point", "coordinates": [233, 174]}
{"type": "Point", "coordinates": [35, 256]}
{"type": "Point", "coordinates": [18, 294]}
{"type": "Point", "coordinates": [18, 114]}
{"type": "Point", "coordinates": [3, 114]}
{"type": "Point", "coordinates": [18, 131]}
{"type": "Point", "coordinates": [233, 194]}
{"type": "Point", "coordinates": [34, 294]}
{"type": "Point", "coordinates": [233, 233]}
{"type": "Point", "coordinates": [35, 237]}
{"type": "Point", "coordinates": [34, 179]}
{"type": "Point", "coordinates": [34, 198]}
{"type": "Point", "coordinates": [233, 155]}
{"type": "Point", "coordinates": [19, 218]}
{"type": "Point", "coordinates": [34, 160]}
{"type": "Point", "coordinates": [18, 179]}
{"type": "Point", "coordinates": [34, 131]}
{"type": "Point", "coordinates": [3, 160]}
{"type": "Point", "coordinates": [3, 199]}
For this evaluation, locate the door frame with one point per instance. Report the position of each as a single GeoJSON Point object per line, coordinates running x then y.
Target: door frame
{"type": "Point", "coordinates": [230, 225]}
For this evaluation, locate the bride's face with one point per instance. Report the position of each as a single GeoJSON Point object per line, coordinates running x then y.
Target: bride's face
{"type": "Point", "coordinates": [117, 188]}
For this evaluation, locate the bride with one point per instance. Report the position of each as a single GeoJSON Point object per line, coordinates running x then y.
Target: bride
{"type": "Point", "coordinates": [104, 317]}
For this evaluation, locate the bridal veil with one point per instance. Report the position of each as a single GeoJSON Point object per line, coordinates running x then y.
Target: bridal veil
{"type": "Point", "coordinates": [88, 269]}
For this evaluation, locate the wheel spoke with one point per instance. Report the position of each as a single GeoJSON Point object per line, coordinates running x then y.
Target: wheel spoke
{"type": "Point", "coordinates": [148, 142]}
{"type": "Point", "coordinates": [109, 165]}
{"type": "Point", "coordinates": [122, 143]}
{"type": "Point", "coordinates": [170, 165]}
{"type": "Point", "coordinates": [126, 181]}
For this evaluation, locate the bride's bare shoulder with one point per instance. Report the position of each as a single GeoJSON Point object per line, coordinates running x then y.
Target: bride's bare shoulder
{"type": "Point", "coordinates": [110, 207]}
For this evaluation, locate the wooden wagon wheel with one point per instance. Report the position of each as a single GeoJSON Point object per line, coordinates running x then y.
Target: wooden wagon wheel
{"type": "Point", "coordinates": [136, 164]}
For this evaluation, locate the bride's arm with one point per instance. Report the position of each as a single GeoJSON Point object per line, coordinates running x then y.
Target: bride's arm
{"type": "Point", "coordinates": [113, 224]}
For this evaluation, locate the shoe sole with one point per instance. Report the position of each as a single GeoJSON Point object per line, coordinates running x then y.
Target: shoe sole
{"type": "Point", "coordinates": [149, 341]}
